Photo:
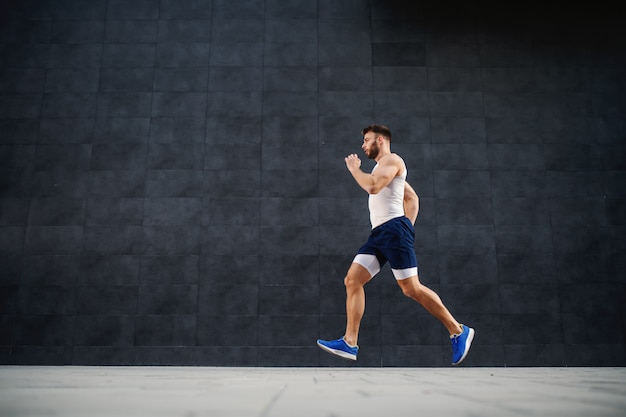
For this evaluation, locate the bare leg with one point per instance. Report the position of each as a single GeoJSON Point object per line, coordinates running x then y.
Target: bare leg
{"type": "Point", "coordinates": [355, 280]}
{"type": "Point", "coordinates": [413, 288]}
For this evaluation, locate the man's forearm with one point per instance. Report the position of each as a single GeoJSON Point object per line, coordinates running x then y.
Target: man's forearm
{"type": "Point", "coordinates": [364, 180]}
{"type": "Point", "coordinates": [411, 208]}
{"type": "Point", "coordinates": [411, 203]}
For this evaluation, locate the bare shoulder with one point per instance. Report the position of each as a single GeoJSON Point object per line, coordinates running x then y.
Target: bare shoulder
{"type": "Point", "coordinates": [392, 159]}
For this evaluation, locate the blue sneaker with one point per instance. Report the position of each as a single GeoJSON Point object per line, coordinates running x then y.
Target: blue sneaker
{"type": "Point", "coordinates": [461, 344]}
{"type": "Point", "coordinates": [339, 347]}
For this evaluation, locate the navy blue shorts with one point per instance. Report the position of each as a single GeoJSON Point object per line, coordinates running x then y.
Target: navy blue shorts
{"type": "Point", "coordinates": [393, 242]}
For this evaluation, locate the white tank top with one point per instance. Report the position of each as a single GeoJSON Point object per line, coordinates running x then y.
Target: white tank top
{"type": "Point", "coordinates": [389, 202]}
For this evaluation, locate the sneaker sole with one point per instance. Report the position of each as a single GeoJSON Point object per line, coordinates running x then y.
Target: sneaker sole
{"type": "Point", "coordinates": [468, 344]}
{"type": "Point", "coordinates": [340, 353]}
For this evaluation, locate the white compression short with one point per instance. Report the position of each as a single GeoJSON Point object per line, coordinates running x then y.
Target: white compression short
{"type": "Point", "coordinates": [370, 262]}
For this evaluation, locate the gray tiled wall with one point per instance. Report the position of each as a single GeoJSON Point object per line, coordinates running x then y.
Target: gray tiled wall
{"type": "Point", "coordinates": [173, 191]}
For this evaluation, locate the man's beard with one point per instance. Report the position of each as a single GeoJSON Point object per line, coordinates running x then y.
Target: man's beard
{"type": "Point", "coordinates": [373, 152]}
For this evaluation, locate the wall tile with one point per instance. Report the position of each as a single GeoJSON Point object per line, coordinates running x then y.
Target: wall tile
{"type": "Point", "coordinates": [467, 211]}
{"type": "Point", "coordinates": [43, 330]}
{"type": "Point", "coordinates": [458, 104]}
{"type": "Point", "coordinates": [289, 270]}
{"type": "Point", "coordinates": [178, 105]}
{"type": "Point", "coordinates": [467, 240]}
{"type": "Point", "coordinates": [105, 270]}
{"type": "Point", "coordinates": [168, 130]}
{"type": "Point", "coordinates": [235, 78]}
{"type": "Point", "coordinates": [226, 356]}
{"type": "Point", "coordinates": [535, 355]}
{"type": "Point", "coordinates": [103, 211]}
{"type": "Point", "coordinates": [398, 54]}
{"type": "Point", "coordinates": [109, 300]}
{"type": "Point", "coordinates": [524, 239]}
{"type": "Point", "coordinates": [77, 31]}
{"type": "Point", "coordinates": [130, 31]}
{"type": "Point", "coordinates": [13, 211]}
{"type": "Point", "coordinates": [175, 156]}
{"type": "Point", "coordinates": [513, 184]}
{"type": "Point", "coordinates": [243, 299]}
{"type": "Point", "coordinates": [452, 54]}
{"type": "Point", "coordinates": [109, 183]}
{"type": "Point", "coordinates": [300, 240]}
{"type": "Point", "coordinates": [229, 269]}
{"type": "Point", "coordinates": [462, 184]}
{"type": "Point", "coordinates": [80, 56]}
{"type": "Point", "coordinates": [461, 269]}
{"type": "Point", "coordinates": [124, 105]}
{"type": "Point", "coordinates": [59, 240]}
{"type": "Point", "coordinates": [170, 270]}
{"type": "Point", "coordinates": [238, 30]}
{"type": "Point", "coordinates": [250, 9]}
{"type": "Point", "coordinates": [149, 331]}
{"type": "Point", "coordinates": [454, 79]}
{"type": "Point", "coordinates": [513, 129]}
{"type": "Point", "coordinates": [188, 30]}
{"type": "Point", "coordinates": [126, 79]}
{"type": "Point", "coordinates": [168, 299]}
{"type": "Point", "coordinates": [166, 355]}
{"type": "Point", "coordinates": [348, 54]}
{"type": "Point", "coordinates": [290, 54]}
{"type": "Point", "coordinates": [171, 9]}
{"type": "Point", "coordinates": [231, 211]}
{"type": "Point", "coordinates": [104, 331]}
{"type": "Point", "coordinates": [12, 264]}
{"type": "Point", "coordinates": [292, 104]}
{"type": "Point", "coordinates": [346, 104]}
{"type": "Point", "coordinates": [248, 238]}
{"type": "Point", "coordinates": [518, 211]}
{"type": "Point", "coordinates": [172, 211]}
{"type": "Point", "coordinates": [227, 331]}
{"type": "Point", "coordinates": [128, 55]}
{"type": "Point", "coordinates": [343, 30]}
{"type": "Point", "coordinates": [272, 327]}
{"type": "Point", "coordinates": [111, 239]}
{"type": "Point", "coordinates": [233, 104]}
{"type": "Point", "coordinates": [289, 212]}
{"type": "Point", "coordinates": [102, 355]}
{"type": "Point", "coordinates": [243, 54]}
{"type": "Point", "coordinates": [511, 105]}
{"type": "Point", "coordinates": [19, 131]}
{"type": "Point", "coordinates": [289, 183]}
{"type": "Point", "coordinates": [71, 80]}
{"type": "Point", "coordinates": [332, 9]}
{"type": "Point", "coordinates": [388, 78]}
{"type": "Point", "coordinates": [293, 300]}
{"type": "Point", "coordinates": [169, 240]}
{"type": "Point", "coordinates": [296, 29]}
{"type": "Point", "coordinates": [69, 105]}
{"type": "Point", "coordinates": [233, 183]}
{"type": "Point", "coordinates": [118, 156]}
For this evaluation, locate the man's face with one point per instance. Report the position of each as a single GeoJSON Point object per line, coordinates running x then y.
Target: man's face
{"type": "Point", "coordinates": [370, 145]}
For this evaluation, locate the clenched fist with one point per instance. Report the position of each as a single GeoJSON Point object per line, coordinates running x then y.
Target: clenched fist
{"type": "Point", "coordinates": [353, 162]}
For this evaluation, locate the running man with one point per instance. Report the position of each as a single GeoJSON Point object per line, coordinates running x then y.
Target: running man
{"type": "Point", "coordinates": [393, 206]}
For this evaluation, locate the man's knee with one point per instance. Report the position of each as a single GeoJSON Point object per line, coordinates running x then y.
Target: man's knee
{"type": "Point", "coordinates": [356, 277]}
{"type": "Point", "coordinates": [411, 288]}
{"type": "Point", "coordinates": [350, 281]}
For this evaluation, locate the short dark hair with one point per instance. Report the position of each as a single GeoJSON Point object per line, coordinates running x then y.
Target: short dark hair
{"type": "Point", "coordinates": [380, 129]}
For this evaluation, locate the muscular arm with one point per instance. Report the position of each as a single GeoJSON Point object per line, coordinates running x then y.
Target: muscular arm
{"type": "Point", "coordinates": [411, 203]}
{"type": "Point", "coordinates": [387, 170]}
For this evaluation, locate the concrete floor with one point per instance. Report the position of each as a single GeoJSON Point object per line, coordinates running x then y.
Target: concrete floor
{"type": "Point", "coordinates": [302, 392]}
